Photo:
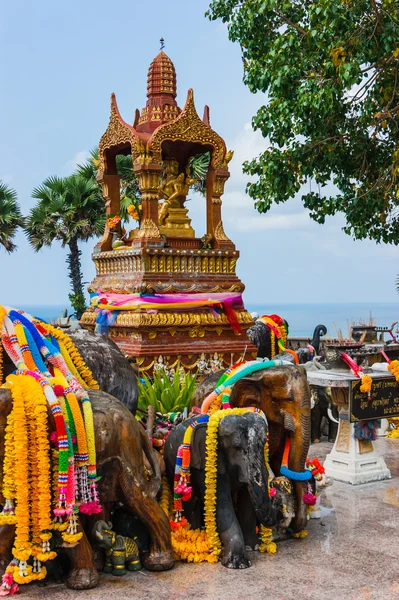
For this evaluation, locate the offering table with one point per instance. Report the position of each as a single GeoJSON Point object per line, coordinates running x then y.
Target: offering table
{"type": "Point", "coordinates": [352, 460]}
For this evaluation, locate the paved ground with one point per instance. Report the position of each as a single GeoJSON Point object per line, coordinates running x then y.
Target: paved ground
{"type": "Point", "coordinates": [352, 552]}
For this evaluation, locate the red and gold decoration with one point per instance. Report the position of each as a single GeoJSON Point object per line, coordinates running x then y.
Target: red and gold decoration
{"type": "Point", "coordinates": [162, 255]}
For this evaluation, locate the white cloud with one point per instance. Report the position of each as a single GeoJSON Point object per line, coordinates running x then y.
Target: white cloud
{"type": "Point", "coordinates": [78, 159]}
{"type": "Point", "coordinates": [247, 145]}
{"type": "Point", "coordinates": [257, 222]}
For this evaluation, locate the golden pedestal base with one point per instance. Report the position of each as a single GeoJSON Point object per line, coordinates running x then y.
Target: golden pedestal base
{"type": "Point", "coordinates": [177, 224]}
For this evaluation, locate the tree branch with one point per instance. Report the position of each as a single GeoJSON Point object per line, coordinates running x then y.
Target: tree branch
{"type": "Point", "coordinates": [289, 22]}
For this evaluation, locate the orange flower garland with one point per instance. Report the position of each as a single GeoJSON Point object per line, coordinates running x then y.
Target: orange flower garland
{"type": "Point", "coordinates": [22, 547]}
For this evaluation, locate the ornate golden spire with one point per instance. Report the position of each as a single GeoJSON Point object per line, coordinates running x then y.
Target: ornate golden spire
{"type": "Point", "coordinates": [161, 76]}
{"type": "Point", "coordinates": [161, 104]}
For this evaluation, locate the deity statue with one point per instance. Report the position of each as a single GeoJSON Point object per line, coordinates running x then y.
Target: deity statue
{"type": "Point", "coordinates": [173, 190]}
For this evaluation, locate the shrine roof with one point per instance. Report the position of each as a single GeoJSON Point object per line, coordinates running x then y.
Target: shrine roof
{"type": "Point", "coordinates": [161, 119]}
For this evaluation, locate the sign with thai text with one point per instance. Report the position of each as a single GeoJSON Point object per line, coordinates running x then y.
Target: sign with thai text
{"type": "Point", "coordinates": [384, 402]}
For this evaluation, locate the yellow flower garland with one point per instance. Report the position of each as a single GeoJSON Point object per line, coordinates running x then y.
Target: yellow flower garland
{"type": "Point", "coordinates": [266, 533]}
{"type": "Point", "coordinates": [9, 465]}
{"type": "Point", "coordinates": [211, 474]}
{"type": "Point", "coordinates": [70, 364]}
{"type": "Point", "coordinates": [393, 368]}
{"type": "Point", "coordinates": [166, 496]}
{"type": "Point", "coordinates": [272, 343]}
{"type": "Point", "coordinates": [188, 544]}
{"type": "Point", "coordinates": [193, 545]}
{"type": "Point", "coordinates": [366, 384]}
{"type": "Point", "coordinates": [27, 476]}
{"type": "Point", "coordinates": [64, 339]}
{"type": "Point", "coordinates": [2, 315]}
{"type": "Point", "coordinates": [267, 545]}
{"type": "Point", "coordinates": [299, 535]}
{"type": "Point", "coordinates": [22, 547]}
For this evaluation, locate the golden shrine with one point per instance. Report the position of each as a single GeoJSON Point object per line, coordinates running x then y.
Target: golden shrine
{"type": "Point", "coordinates": [162, 256]}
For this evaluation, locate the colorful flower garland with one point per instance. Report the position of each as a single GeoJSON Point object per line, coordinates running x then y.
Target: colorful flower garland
{"type": "Point", "coordinates": [279, 331]}
{"type": "Point", "coordinates": [50, 374]}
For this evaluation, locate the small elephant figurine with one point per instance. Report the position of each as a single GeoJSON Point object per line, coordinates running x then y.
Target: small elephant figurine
{"type": "Point", "coordinates": [322, 406]}
{"type": "Point", "coordinates": [121, 551]}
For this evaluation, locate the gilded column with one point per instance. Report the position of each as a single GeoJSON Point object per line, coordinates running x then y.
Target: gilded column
{"type": "Point", "coordinates": [215, 187]}
{"type": "Point", "coordinates": [149, 179]}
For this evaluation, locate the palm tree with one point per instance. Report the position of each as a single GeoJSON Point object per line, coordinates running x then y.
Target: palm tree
{"type": "Point", "coordinates": [10, 217]}
{"type": "Point", "coordinates": [68, 210]}
{"type": "Point", "coordinates": [129, 187]}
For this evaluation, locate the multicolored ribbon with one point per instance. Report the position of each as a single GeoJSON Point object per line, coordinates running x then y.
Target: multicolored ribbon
{"type": "Point", "coordinates": [108, 304]}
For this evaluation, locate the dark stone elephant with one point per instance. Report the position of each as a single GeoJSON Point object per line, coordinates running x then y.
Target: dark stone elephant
{"type": "Point", "coordinates": [283, 394]}
{"type": "Point", "coordinates": [305, 354]}
{"type": "Point", "coordinates": [323, 407]}
{"type": "Point", "coordinates": [260, 336]}
{"type": "Point", "coordinates": [110, 368]}
{"type": "Point", "coordinates": [121, 445]}
{"type": "Point", "coordinates": [241, 472]}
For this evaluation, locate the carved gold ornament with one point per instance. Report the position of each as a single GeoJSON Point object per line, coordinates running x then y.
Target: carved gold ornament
{"type": "Point", "coordinates": [148, 229]}
{"type": "Point", "coordinates": [220, 234]}
{"type": "Point", "coordinates": [188, 127]}
{"type": "Point", "coordinates": [118, 133]}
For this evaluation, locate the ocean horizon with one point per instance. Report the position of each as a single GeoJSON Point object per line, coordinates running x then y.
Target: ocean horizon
{"type": "Point", "coordinates": [302, 318]}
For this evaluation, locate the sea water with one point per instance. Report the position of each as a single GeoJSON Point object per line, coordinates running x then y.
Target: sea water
{"type": "Point", "coordinates": [302, 318]}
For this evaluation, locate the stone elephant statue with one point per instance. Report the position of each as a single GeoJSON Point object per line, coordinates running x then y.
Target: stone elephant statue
{"type": "Point", "coordinates": [109, 366]}
{"type": "Point", "coordinates": [260, 336]}
{"type": "Point", "coordinates": [283, 394]}
{"type": "Point", "coordinates": [121, 445]}
{"type": "Point", "coordinates": [241, 471]}
{"type": "Point", "coordinates": [322, 406]}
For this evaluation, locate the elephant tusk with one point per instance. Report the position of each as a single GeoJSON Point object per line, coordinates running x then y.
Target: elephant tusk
{"type": "Point", "coordinates": [331, 417]}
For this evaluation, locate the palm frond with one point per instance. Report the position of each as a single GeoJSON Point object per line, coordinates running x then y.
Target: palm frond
{"type": "Point", "coordinates": [10, 217]}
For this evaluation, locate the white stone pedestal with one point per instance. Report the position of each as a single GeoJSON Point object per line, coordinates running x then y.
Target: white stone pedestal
{"type": "Point", "coordinates": [351, 460]}
{"type": "Point", "coordinates": [354, 461]}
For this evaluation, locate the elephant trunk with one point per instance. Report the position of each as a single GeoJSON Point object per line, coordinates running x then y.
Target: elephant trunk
{"type": "Point", "coordinates": [258, 491]}
{"type": "Point", "coordinates": [298, 453]}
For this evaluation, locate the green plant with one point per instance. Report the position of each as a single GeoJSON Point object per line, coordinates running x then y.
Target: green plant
{"type": "Point", "coordinates": [129, 187]}
{"type": "Point", "coordinates": [10, 217]}
{"type": "Point", "coordinates": [199, 166]}
{"type": "Point", "coordinates": [166, 395]}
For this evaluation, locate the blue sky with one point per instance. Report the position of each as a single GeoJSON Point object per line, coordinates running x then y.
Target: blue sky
{"type": "Point", "coordinates": [60, 63]}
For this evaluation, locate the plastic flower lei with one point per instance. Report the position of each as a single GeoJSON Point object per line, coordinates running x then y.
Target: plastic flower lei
{"type": "Point", "coordinates": [50, 374]}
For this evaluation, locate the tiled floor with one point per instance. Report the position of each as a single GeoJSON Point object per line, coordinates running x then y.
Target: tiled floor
{"type": "Point", "coordinates": [352, 552]}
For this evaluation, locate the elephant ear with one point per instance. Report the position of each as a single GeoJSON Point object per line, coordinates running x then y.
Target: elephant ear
{"type": "Point", "coordinates": [246, 392]}
{"type": "Point", "coordinates": [198, 446]}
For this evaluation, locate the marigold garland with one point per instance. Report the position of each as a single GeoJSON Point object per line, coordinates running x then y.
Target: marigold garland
{"type": "Point", "coordinates": [2, 315]}
{"type": "Point", "coordinates": [393, 368]}
{"type": "Point", "coordinates": [211, 474]}
{"type": "Point", "coordinates": [27, 481]}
